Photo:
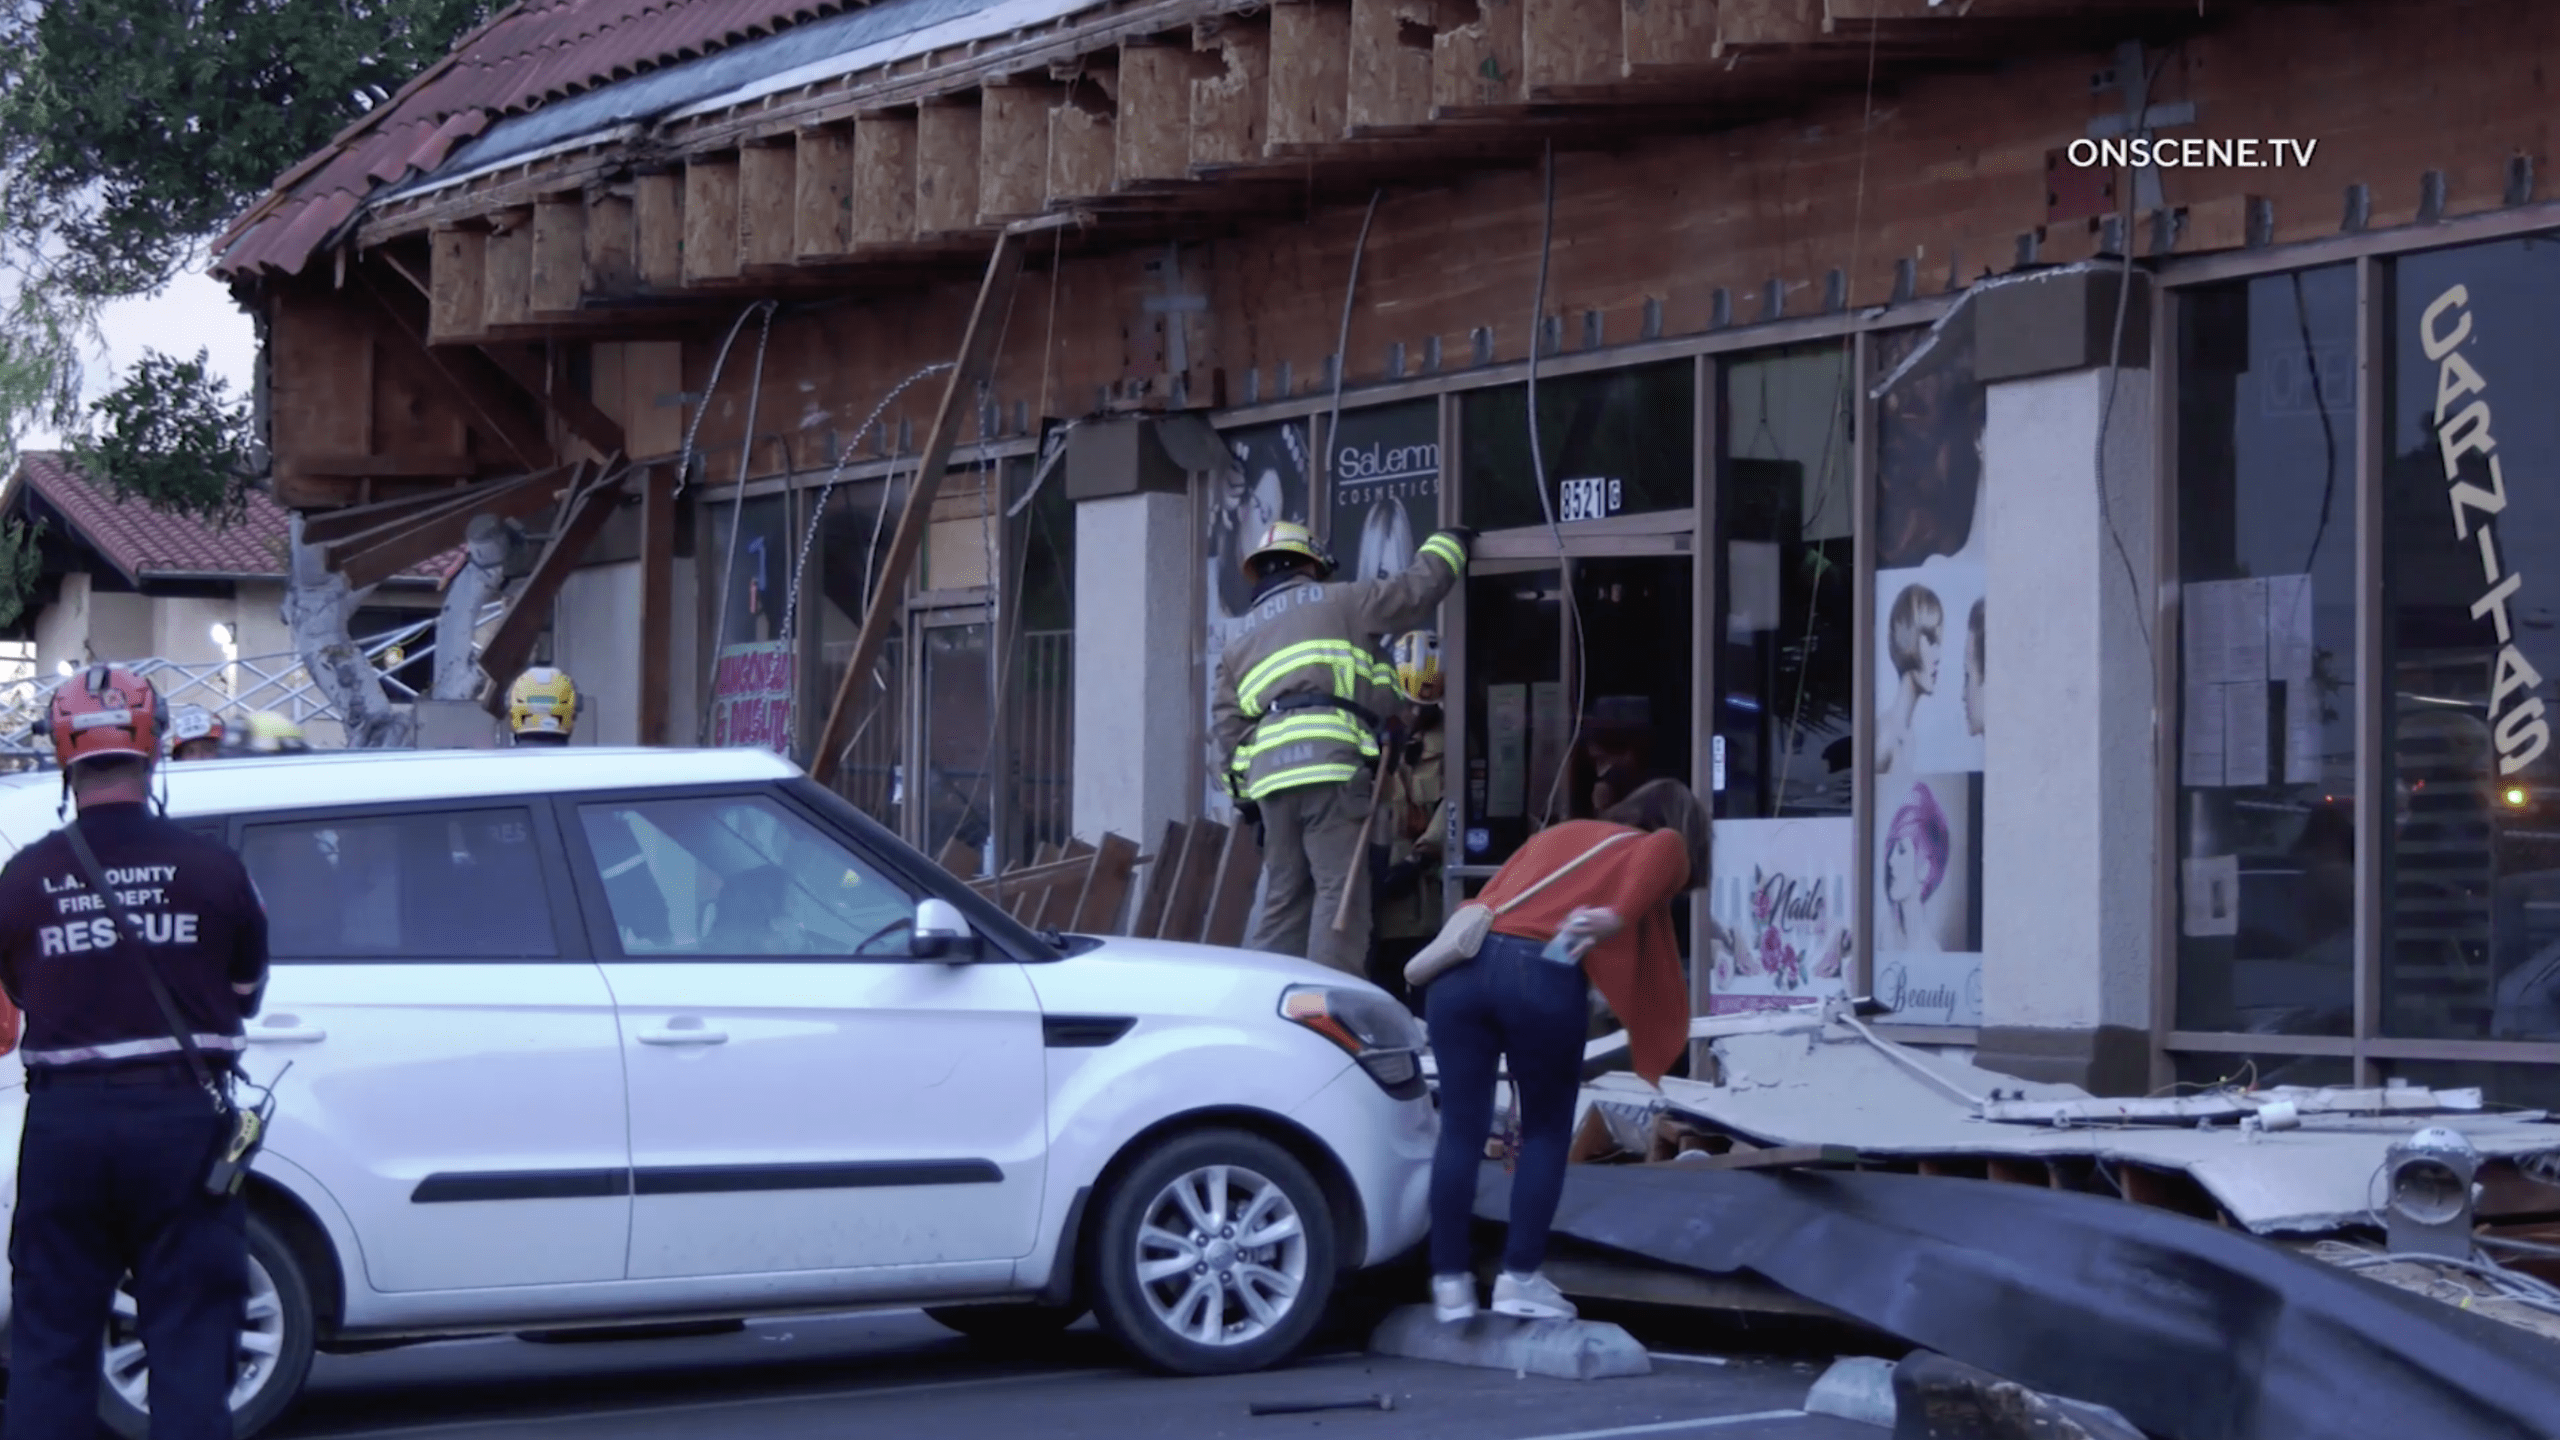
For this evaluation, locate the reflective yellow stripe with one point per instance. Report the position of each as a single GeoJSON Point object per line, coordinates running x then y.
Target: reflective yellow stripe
{"type": "Point", "coordinates": [1446, 546]}
{"type": "Point", "coordinates": [1349, 663]}
{"type": "Point", "coordinates": [1302, 775]}
{"type": "Point", "coordinates": [1329, 726]}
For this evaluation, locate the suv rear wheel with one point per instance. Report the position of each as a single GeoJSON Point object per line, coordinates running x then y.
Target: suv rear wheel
{"type": "Point", "coordinates": [1215, 1255]}
{"type": "Point", "coordinates": [274, 1355]}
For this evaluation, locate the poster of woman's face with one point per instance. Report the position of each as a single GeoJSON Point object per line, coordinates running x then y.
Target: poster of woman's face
{"type": "Point", "coordinates": [1265, 481]}
{"type": "Point", "coordinates": [1925, 891]}
{"type": "Point", "coordinates": [1929, 708]}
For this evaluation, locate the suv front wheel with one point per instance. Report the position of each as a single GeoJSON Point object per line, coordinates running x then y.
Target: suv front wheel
{"type": "Point", "coordinates": [1215, 1255]}
{"type": "Point", "coordinates": [274, 1355]}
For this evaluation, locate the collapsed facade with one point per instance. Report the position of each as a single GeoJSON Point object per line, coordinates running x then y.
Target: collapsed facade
{"type": "Point", "coordinates": [1845, 319]}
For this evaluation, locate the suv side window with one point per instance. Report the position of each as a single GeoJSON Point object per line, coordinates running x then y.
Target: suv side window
{"type": "Point", "coordinates": [739, 875]}
{"type": "Point", "coordinates": [426, 885]}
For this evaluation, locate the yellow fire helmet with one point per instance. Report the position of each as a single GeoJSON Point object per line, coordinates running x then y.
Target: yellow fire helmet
{"type": "Point", "coordinates": [1416, 655]}
{"type": "Point", "coordinates": [273, 734]}
{"type": "Point", "coordinates": [1288, 537]}
{"type": "Point", "coordinates": [543, 701]}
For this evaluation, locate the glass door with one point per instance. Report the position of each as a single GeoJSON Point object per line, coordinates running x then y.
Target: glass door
{"type": "Point", "coordinates": [955, 734]}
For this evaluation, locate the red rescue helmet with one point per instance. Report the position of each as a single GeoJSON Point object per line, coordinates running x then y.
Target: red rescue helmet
{"type": "Point", "coordinates": [104, 710]}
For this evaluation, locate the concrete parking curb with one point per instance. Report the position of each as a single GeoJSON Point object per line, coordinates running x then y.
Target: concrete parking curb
{"type": "Point", "coordinates": [1560, 1349]}
{"type": "Point", "coordinates": [1935, 1398]}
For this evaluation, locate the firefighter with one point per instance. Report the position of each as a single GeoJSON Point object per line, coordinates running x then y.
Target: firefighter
{"type": "Point", "coordinates": [1299, 725]}
{"type": "Point", "coordinates": [542, 707]}
{"type": "Point", "coordinates": [1413, 819]}
{"type": "Point", "coordinates": [115, 1160]}
{"type": "Point", "coordinates": [269, 733]}
{"type": "Point", "coordinates": [195, 733]}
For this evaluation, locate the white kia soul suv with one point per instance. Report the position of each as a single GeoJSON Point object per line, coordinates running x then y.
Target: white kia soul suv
{"type": "Point", "coordinates": [596, 1037]}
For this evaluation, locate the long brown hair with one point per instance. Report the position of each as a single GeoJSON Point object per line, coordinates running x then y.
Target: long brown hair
{"type": "Point", "coordinates": [1670, 805]}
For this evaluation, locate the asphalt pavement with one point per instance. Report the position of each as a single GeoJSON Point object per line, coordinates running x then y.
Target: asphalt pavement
{"type": "Point", "coordinates": [898, 1373]}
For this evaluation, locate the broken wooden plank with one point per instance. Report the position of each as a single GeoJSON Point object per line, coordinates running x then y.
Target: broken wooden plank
{"type": "Point", "coordinates": [961, 859]}
{"type": "Point", "coordinates": [1390, 65]}
{"type": "Point", "coordinates": [1187, 911]}
{"type": "Point", "coordinates": [1148, 922]}
{"type": "Point", "coordinates": [1083, 152]}
{"type": "Point", "coordinates": [1230, 907]}
{"type": "Point", "coordinates": [1106, 886]}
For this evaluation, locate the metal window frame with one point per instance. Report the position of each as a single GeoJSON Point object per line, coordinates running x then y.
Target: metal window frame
{"type": "Point", "coordinates": [2366, 1048]}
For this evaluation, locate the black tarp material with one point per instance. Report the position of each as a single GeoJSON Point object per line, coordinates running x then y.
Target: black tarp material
{"type": "Point", "coordinates": [2190, 1330]}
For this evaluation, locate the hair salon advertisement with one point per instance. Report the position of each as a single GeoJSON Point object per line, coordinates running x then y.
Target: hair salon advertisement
{"type": "Point", "coordinates": [1929, 684]}
{"type": "Point", "coordinates": [751, 696]}
{"type": "Point", "coordinates": [1265, 480]}
{"type": "Point", "coordinates": [1785, 913]}
{"type": "Point", "coordinates": [1386, 488]}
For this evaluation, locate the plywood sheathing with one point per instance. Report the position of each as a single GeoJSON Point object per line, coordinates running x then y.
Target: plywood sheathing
{"type": "Point", "coordinates": [884, 178]}
{"type": "Point", "coordinates": [823, 191]}
{"type": "Point", "coordinates": [1952, 168]}
{"type": "Point", "coordinates": [1230, 104]}
{"type": "Point", "coordinates": [1151, 134]}
{"type": "Point", "coordinates": [1083, 144]}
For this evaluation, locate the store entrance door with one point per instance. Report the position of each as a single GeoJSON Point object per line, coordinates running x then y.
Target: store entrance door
{"type": "Point", "coordinates": [955, 738]}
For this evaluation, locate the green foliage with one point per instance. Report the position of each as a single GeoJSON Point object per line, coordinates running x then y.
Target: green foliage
{"type": "Point", "coordinates": [21, 566]}
{"type": "Point", "coordinates": [172, 436]}
{"type": "Point", "coordinates": [131, 130]}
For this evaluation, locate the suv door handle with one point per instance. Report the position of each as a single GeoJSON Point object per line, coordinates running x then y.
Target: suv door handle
{"type": "Point", "coordinates": [684, 1037]}
{"type": "Point", "coordinates": [285, 1037]}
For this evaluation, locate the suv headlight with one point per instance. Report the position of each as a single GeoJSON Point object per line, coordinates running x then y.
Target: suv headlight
{"type": "Point", "coordinates": [1369, 1026]}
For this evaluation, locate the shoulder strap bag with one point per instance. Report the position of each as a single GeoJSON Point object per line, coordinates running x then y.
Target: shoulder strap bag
{"type": "Point", "coordinates": [1463, 935]}
{"type": "Point", "coordinates": [244, 1130]}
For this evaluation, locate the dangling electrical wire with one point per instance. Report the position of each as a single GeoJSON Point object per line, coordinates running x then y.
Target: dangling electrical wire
{"type": "Point", "coordinates": [844, 457]}
{"type": "Point", "coordinates": [1546, 504]}
{"type": "Point", "coordinates": [737, 514]}
{"type": "Point", "coordinates": [684, 459]}
{"type": "Point", "coordinates": [1342, 354]}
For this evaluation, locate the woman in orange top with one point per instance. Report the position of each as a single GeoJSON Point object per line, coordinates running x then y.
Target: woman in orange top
{"type": "Point", "coordinates": [1606, 923]}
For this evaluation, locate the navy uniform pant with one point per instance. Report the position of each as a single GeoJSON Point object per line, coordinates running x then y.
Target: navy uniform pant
{"type": "Point", "coordinates": [110, 1182]}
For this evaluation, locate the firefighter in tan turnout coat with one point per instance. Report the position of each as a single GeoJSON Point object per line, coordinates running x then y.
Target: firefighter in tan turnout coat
{"type": "Point", "coordinates": [1302, 696]}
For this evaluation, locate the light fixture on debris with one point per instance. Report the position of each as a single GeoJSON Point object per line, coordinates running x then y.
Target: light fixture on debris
{"type": "Point", "coordinates": [2432, 1188]}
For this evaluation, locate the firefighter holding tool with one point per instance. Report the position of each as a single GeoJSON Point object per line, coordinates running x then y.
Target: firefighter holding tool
{"type": "Point", "coordinates": [138, 949]}
{"type": "Point", "coordinates": [1299, 729]}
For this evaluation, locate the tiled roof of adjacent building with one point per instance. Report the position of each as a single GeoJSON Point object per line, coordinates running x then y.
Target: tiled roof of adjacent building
{"type": "Point", "coordinates": [146, 544]}
{"type": "Point", "coordinates": [532, 53]}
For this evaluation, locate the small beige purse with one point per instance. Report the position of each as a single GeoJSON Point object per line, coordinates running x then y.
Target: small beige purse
{"type": "Point", "coordinates": [1463, 935]}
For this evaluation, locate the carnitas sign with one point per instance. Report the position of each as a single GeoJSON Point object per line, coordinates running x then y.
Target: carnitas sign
{"type": "Point", "coordinates": [2523, 730]}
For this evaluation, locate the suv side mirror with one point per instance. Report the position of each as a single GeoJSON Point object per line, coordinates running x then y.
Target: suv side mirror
{"type": "Point", "coordinates": [940, 933]}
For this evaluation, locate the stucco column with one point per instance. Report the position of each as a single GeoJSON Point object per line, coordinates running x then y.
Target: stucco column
{"type": "Point", "coordinates": [2069, 761]}
{"type": "Point", "coordinates": [1135, 570]}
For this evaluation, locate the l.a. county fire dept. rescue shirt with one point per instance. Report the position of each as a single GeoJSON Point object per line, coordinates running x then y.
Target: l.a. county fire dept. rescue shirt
{"type": "Point", "coordinates": [187, 898]}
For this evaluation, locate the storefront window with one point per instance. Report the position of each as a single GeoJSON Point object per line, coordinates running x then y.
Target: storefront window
{"type": "Point", "coordinates": [746, 574]}
{"type": "Point", "coordinates": [2266, 550]}
{"type": "Point", "coordinates": [1516, 718]}
{"type": "Point", "coordinates": [1926, 831]}
{"type": "Point", "coordinates": [1621, 442]}
{"type": "Point", "coordinates": [1781, 773]}
{"type": "Point", "coordinates": [2472, 646]}
{"type": "Point", "coordinates": [852, 544]}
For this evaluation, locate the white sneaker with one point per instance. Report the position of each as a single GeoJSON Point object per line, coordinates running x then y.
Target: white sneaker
{"type": "Point", "coordinates": [1453, 1298]}
{"type": "Point", "coordinates": [1530, 1297]}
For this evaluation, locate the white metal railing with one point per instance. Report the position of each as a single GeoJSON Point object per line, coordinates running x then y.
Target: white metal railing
{"type": "Point", "coordinates": [275, 683]}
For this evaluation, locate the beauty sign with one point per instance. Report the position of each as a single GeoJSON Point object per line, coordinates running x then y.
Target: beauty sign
{"type": "Point", "coordinates": [1785, 925]}
{"type": "Point", "coordinates": [751, 696]}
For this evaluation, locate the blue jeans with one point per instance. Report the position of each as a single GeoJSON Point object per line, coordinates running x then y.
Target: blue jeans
{"type": "Point", "coordinates": [1505, 1004]}
{"type": "Point", "coordinates": [109, 1180]}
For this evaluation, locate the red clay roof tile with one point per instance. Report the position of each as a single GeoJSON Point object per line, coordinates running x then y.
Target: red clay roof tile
{"type": "Point", "coordinates": [144, 544]}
